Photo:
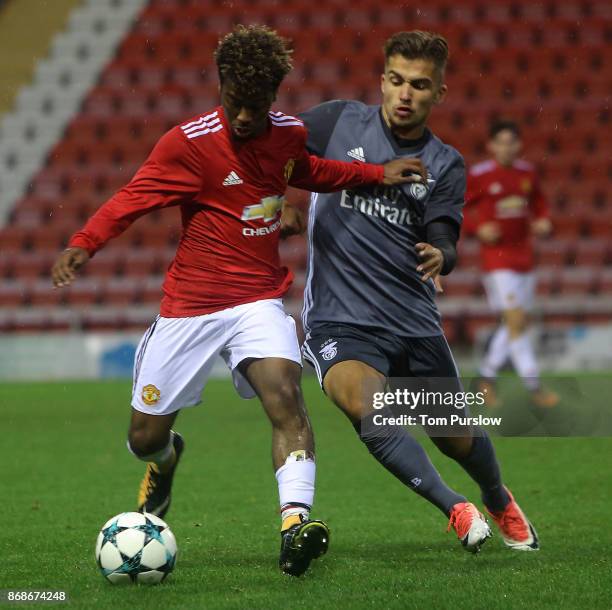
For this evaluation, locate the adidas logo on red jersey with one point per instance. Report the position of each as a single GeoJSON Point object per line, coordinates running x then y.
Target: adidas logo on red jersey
{"type": "Point", "coordinates": [232, 179]}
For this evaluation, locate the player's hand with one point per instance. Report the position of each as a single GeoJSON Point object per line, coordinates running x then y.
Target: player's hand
{"type": "Point", "coordinates": [66, 265]}
{"type": "Point", "coordinates": [541, 227]}
{"type": "Point", "coordinates": [431, 261]}
{"type": "Point", "coordinates": [292, 221]}
{"type": "Point", "coordinates": [400, 171]}
{"type": "Point", "coordinates": [488, 232]}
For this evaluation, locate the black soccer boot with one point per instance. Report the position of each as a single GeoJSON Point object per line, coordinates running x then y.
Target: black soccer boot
{"type": "Point", "coordinates": [155, 488]}
{"type": "Point", "coordinates": [302, 543]}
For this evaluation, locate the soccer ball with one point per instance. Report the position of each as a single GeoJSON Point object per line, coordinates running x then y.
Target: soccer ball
{"type": "Point", "coordinates": [136, 547]}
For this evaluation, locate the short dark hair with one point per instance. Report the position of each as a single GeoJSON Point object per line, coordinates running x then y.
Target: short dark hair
{"type": "Point", "coordinates": [500, 125]}
{"type": "Point", "coordinates": [255, 58]}
{"type": "Point", "coordinates": [419, 45]}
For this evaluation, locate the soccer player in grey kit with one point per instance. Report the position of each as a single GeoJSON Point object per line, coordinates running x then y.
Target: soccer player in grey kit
{"type": "Point", "coordinates": [369, 304]}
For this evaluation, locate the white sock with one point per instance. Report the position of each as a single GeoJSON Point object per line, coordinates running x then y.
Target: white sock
{"type": "Point", "coordinates": [497, 354]}
{"type": "Point", "coordinates": [296, 481]}
{"type": "Point", "coordinates": [524, 361]}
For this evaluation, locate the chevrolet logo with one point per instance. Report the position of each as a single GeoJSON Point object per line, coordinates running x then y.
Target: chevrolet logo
{"type": "Point", "coordinates": [267, 209]}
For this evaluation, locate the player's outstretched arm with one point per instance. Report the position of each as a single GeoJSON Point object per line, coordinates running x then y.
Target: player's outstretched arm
{"type": "Point", "coordinates": [171, 175]}
{"type": "Point", "coordinates": [67, 264]}
{"type": "Point", "coordinates": [320, 175]}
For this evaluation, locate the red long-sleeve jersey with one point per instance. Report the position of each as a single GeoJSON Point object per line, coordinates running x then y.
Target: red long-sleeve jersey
{"type": "Point", "coordinates": [511, 197]}
{"type": "Point", "coordinates": [230, 194]}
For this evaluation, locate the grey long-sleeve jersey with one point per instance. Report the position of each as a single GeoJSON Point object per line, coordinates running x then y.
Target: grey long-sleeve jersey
{"type": "Point", "coordinates": [362, 257]}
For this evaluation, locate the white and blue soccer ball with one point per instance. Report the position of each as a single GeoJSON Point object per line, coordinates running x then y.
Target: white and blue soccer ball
{"type": "Point", "coordinates": [136, 547]}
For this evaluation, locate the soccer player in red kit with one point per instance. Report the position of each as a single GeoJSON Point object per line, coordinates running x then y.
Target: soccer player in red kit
{"type": "Point", "coordinates": [506, 208]}
{"type": "Point", "coordinates": [227, 169]}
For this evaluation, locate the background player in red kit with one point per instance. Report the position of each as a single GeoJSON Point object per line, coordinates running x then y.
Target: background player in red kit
{"type": "Point", "coordinates": [227, 169]}
{"type": "Point", "coordinates": [506, 208]}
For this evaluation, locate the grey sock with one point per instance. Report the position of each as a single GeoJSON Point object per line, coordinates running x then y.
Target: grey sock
{"type": "Point", "coordinates": [404, 458]}
{"type": "Point", "coordinates": [481, 464]}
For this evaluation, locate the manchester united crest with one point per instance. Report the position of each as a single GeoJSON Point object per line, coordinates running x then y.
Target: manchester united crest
{"type": "Point", "coordinates": [289, 169]}
{"type": "Point", "coordinates": [150, 394]}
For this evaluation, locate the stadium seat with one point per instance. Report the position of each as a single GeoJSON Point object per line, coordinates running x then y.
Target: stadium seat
{"type": "Point", "coordinates": [27, 217]}
{"type": "Point", "coordinates": [52, 239]}
{"type": "Point", "coordinates": [121, 291]}
{"type": "Point", "coordinates": [553, 253]}
{"type": "Point", "coordinates": [84, 291]}
{"type": "Point", "coordinates": [31, 320]}
{"type": "Point", "coordinates": [591, 252]}
{"type": "Point", "coordinates": [31, 265]}
{"type": "Point", "coordinates": [141, 263]}
{"type": "Point", "coordinates": [13, 293]}
{"type": "Point", "coordinates": [599, 223]}
{"type": "Point", "coordinates": [106, 263]}
{"type": "Point", "coordinates": [103, 319]}
{"type": "Point", "coordinates": [577, 281]}
{"type": "Point", "coordinates": [603, 282]}
{"type": "Point", "coordinates": [41, 292]}
{"type": "Point", "coordinates": [59, 320]}
{"type": "Point", "coordinates": [138, 318]}
{"type": "Point", "coordinates": [570, 225]}
{"type": "Point", "coordinates": [14, 238]}
{"type": "Point", "coordinates": [573, 195]}
{"type": "Point", "coordinates": [151, 290]}
{"type": "Point", "coordinates": [547, 281]}
{"type": "Point", "coordinates": [159, 235]}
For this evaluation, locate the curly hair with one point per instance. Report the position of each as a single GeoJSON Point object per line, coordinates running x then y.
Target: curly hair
{"type": "Point", "coordinates": [254, 58]}
{"type": "Point", "coordinates": [419, 45]}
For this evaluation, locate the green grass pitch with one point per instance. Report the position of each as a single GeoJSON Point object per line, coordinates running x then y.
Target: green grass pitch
{"type": "Point", "coordinates": [65, 470]}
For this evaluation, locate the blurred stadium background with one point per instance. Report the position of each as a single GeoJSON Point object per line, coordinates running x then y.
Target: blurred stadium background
{"type": "Point", "coordinates": [90, 85]}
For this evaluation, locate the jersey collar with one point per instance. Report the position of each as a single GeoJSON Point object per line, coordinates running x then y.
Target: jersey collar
{"type": "Point", "coordinates": [401, 146]}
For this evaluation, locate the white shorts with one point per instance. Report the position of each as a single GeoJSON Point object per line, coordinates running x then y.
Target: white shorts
{"type": "Point", "coordinates": [175, 356]}
{"type": "Point", "coordinates": [509, 289]}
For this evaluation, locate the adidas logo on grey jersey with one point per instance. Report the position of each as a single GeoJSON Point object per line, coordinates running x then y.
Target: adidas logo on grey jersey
{"type": "Point", "coordinates": [357, 153]}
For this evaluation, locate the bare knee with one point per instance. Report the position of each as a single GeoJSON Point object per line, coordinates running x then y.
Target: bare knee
{"type": "Point", "coordinates": [352, 404]}
{"type": "Point", "coordinates": [145, 439]}
{"type": "Point", "coordinates": [352, 399]}
{"type": "Point", "coordinates": [350, 385]}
